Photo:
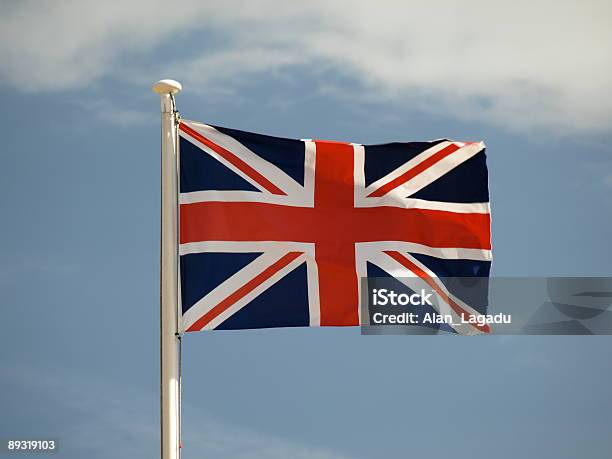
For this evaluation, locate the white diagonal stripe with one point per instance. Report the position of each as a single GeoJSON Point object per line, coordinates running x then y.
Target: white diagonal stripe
{"type": "Point", "coordinates": [230, 285]}
{"type": "Point", "coordinates": [406, 167]}
{"type": "Point", "coordinates": [242, 302]}
{"type": "Point", "coordinates": [429, 175]}
{"type": "Point", "coordinates": [273, 173]}
{"type": "Point", "coordinates": [437, 170]}
{"type": "Point", "coordinates": [414, 282]}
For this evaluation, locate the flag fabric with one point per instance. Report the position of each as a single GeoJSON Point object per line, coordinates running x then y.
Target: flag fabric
{"type": "Point", "coordinates": [277, 232]}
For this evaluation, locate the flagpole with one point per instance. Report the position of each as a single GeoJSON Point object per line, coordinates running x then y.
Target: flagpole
{"type": "Point", "coordinates": [169, 327]}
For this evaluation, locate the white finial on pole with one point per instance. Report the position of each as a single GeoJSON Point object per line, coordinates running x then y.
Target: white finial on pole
{"type": "Point", "coordinates": [167, 87]}
{"type": "Point", "coordinates": [169, 287]}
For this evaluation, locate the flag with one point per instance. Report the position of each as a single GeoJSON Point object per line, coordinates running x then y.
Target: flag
{"type": "Point", "coordinates": [277, 232]}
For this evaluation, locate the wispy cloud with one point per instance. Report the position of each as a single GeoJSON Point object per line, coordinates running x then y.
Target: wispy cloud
{"type": "Point", "coordinates": [111, 416]}
{"type": "Point", "coordinates": [211, 438]}
{"type": "Point", "coordinates": [117, 115]}
{"type": "Point", "coordinates": [89, 415]}
{"type": "Point", "coordinates": [523, 65]}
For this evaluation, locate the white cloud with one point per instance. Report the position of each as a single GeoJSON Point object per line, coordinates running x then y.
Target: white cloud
{"type": "Point", "coordinates": [522, 64]}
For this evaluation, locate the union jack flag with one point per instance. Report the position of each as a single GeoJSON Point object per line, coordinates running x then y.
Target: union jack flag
{"type": "Point", "coordinates": [277, 232]}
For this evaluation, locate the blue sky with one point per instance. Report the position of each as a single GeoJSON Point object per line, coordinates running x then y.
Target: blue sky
{"type": "Point", "coordinates": [79, 195]}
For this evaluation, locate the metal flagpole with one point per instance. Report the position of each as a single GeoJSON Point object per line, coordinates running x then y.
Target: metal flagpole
{"type": "Point", "coordinates": [169, 330]}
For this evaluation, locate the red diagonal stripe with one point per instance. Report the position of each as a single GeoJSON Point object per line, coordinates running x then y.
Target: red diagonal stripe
{"type": "Point", "coordinates": [234, 160]}
{"type": "Point", "coordinates": [244, 290]}
{"type": "Point", "coordinates": [402, 260]}
{"type": "Point", "coordinates": [416, 170]}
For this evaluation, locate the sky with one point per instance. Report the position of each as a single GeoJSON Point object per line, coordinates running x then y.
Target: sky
{"type": "Point", "coordinates": [79, 199]}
